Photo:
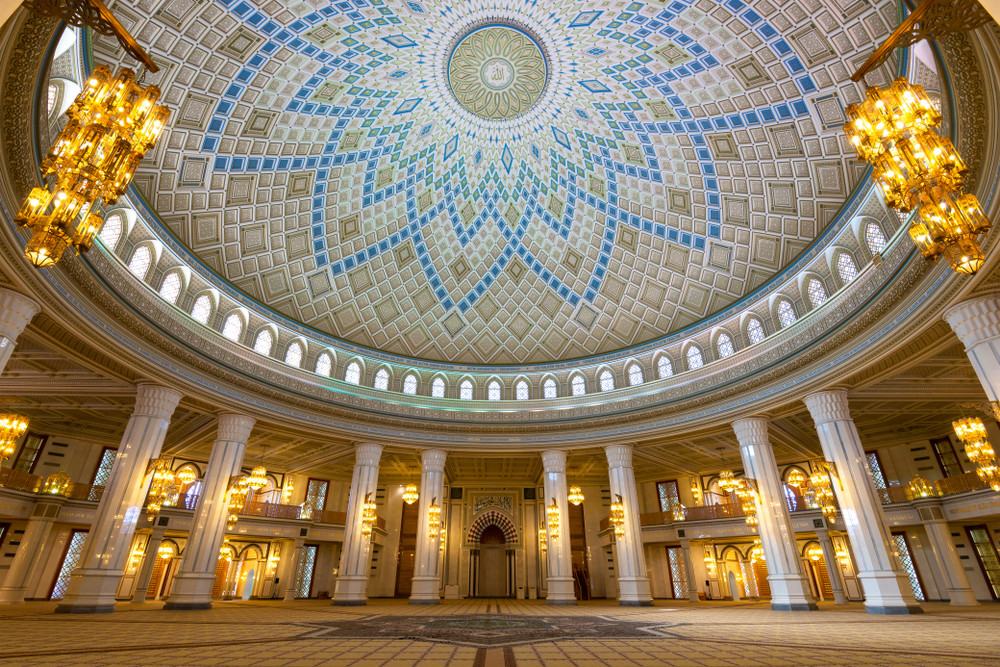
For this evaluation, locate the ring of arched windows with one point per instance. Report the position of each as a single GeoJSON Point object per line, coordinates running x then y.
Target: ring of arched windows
{"type": "Point", "coordinates": [260, 338]}
{"type": "Point", "coordinates": [411, 384]}
{"type": "Point", "coordinates": [439, 386]}
{"type": "Point", "coordinates": [844, 266]}
{"type": "Point", "coordinates": [521, 388]}
{"type": "Point", "coordinates": [203, 309]}
{"type": "Point", "coordinates": [550, 386]}
{"type": "Point", "coordinates": [783, 315]}
{"type": "Point", "coordinates": [467, 388]}
{"type": "Point", "coordinates": [354, 371]}
{"type": "Point", "coordinates": [324, 365]}
{"type": "Point", "coordinates": [814, 290]}
{"type": "Point", "coordinates": [494, 389]}
{"type": "Point", "coordinates": [605, 379]}
{"type": "Point", "coordinates": [723, 343]}
{"type": "Point", "coordinates": [577, 384]}
{"type": "Point", "coordinates": [664, 365]}
{"type": "Point", "coordinates": [113, 234]}
{"type": "Point", "coordinates": [693, 355]}
{"type": "Point", "coordinates": [291, 356]}
{"type": "Point", "coordinates": [143, 259]}
{"type": "Point", "coordinates": [753, 327]}
{"type": "Point", "coordinates": [635, 374]}
{"type": "Point", "coordinates": [234, 324]}
{"type": "Point", "coordinates": [383, 378]}
{"type": "Point", "coordinates": [173, 284]}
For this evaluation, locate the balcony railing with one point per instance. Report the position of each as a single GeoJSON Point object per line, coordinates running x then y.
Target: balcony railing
{"type": "Point", "coordinates": [22, 481]}
{"type": "Point", "coordinates": [273, 510]}
{"type": "Point", "coordinates": [329, 516]}
{"type": "Point", "coordinates": [959, 484]}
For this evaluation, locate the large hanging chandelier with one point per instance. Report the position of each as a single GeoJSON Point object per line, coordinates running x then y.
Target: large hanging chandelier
{"type": "Point", "coordinates": [12, 427]}
{"type": "Point", "coordinates": [814, 552]}
{"type": "Point", "coordinates": [746, 494]}
{"type": "Point", "coordinates": [543, 540]}
{"type": "Point", "coordinates": [757, 552]}
{"type": "Point", "coordinates": [186, 475]}
{"type": "Point", "coordinates": [917, 169]}
{"type": "Point", "coordinates": [258, 478]}
{"type": "Point", "coordinates": [434, 518]}
{"type": "Point", "coordinates": [921, 488]}
{"type": "Point", "coordinates": [165, 551]}
{"type": "Point", "coordinates": [575, 494]}
{"type": "Point", "coordinates": [410, 494]}
{"type": "Point", "coordinates": [795, 478]}
{"type": "Point", "coordinates": [618, 516]}
{"type": "Point", "coordinates": [238, 491]}
{"type": "Point", "coordinates": [112, 124]}
{"type": "Point", "coordinates": [552, 517]}
{"type": "Point", "coordinates": [821, 490]}
{"type": "Point", "coordinates": [368, 516]}
{"type": "Point", "coordinates": [972, 432]}
{"type": "Point", "coordinates": [162, 488]}
{"type": "Point", "coordinates": [727, 480]}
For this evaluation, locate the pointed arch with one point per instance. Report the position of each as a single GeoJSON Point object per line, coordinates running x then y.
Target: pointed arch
{"type": "Point", "coordinates": [492, 518]}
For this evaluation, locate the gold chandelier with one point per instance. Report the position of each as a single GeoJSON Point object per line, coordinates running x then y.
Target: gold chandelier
{"type": "Point", "coordinates": [162, 488]}
{"type": "Point", "coordinates": [368, 516]}
{"type": "Point", "coordinates": [258, 478]}
{"type": "Point", "coordinates": [434, 518]}
{"type": "Point", "coordinates": [972, 433]}
{"type": "Point", "coordinates": [238, 491]}
{"type": "Point", "coordinates": [821, 490]}
{"type": "Point", "coordinates": [112, 124]}
{"type": "Point", "coordinates": [543, 540]}
{"type": "Point", "coordinates": [921, 488]}
{"type": "Point", "coordinates": [12, 427]}
{"type": "Point", "coordinates": [575, 494]}
{"type": "Point", "coordinates": [796, 478]}
{"type": "Point", "coordinates": [814, 552]}
{"type": "Point", "coordinates": [727, 480]}
{"type": "Point", "coordinates": [678, 512]}
{"type": "Point", "coordinates": [746, 494]}
{"type": "Point", "coordinates": [165, 551]}
{"type": "Point", "coordinates": [917, 169]}
{"type": "Point", "coordinates": [552, 517]}
{"type": "Point", "coordinates": [410, 494]}
{"type": "Point", "coordinates": [226, 551]}
{"type": "Point", "coordinates": [618, 516]}
{"type": "Point", "coordinates": [186, 475]}
{"type": "Point", "coordinates": [757, 552]}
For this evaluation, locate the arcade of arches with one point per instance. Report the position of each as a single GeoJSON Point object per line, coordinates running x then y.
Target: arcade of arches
{"type": "Point", "coordinates": [491, 334]}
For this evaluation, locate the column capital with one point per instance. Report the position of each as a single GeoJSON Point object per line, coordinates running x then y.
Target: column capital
{"type": "Point", "coordinates": [433, 459]}
{"type": "Point", "coordinates": [828, 406]}
{"type": "Point", "coordinates": [16, 310]}
{"type": "Point", "coordinates": [554, 460]}
{"type": "Point", "coordinates": [153, 400]}
{"type": "Point", "coordinates": [752, 431]}
{"type": "Point", "coordinates": [975, 320]}
{"type": "Point", "coordinates": [619, 456]}
{"type": "Point", "coordinates": [235, 427]}
{"type": "Point", "coordinates": [367, 454]}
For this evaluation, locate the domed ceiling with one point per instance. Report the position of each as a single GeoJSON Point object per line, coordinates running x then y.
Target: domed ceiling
{"type": "Point", "coordinates": [501, 182]}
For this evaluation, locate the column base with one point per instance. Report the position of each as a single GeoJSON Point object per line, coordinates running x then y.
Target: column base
{"type": "Point", "coordinates": [12, 595]}
{"type": "Point", "coordinates": [560, 591]}
{"type": "Point", "coordinates": [894, 611]}
{"type": "Point", "coordinates": [412, 601]}
{"type": "Point", "coordinates": [90, 592]}
{"type": "Point", "coordinates": [191, 590]}
{"type": "Point", "coordinates": [634, 592]}
{"type": "Point", "coordinates": [350, 591]}
{"type": "Point", "coordinates": [186, 606]}
{"type": "Point", "coordinates": [425, 590]}
{"type": "Point", "coordinates": [794, 607]}
{"type": "Point", "coordinates": [887, 590]}
{"type": "Point", "coordinates": [635, 603]}
{"type": "Point", "coordinates": [963, 598]}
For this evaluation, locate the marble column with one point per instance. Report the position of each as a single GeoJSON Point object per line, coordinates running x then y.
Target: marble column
{"type": "Point", "coordinates": [31, 552]}
{"type": "Point", "coordinates": [832, 565]}
{"type": "Point", "coordinates": [351, 588]}
{"type": "Point", "coordinates": [192, 587]}
{"type": "Point", "coordinates": [943, 550]}
{"type": "Point", "coordinates": [977, 324]}
{"type": "Point", "coordinates": [426, 577]}
{"type": "Point", "coordinates": [291, 569]}
{"type": "Point", "coordinates": [93, 585]}
{"type": "Point", "coordinates": [692, 574]}
{"type": "Point", "coordinates": [559, 583]}
{"type": "Point", "coordinates": [633, 586]}
{"type": "Point", "coordinates": [887, 590]}
{"type": "Point", "coordinates": [16, 310]}
{"type": "Point", "coordinates": [789, 586]}
{"type": "Point", "coordinates": [149, 556]}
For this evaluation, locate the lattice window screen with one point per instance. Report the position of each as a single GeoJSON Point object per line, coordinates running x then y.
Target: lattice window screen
{"type": "Point", "coordinates": [678, 572]}
{"type": "Point", "coordinates": [304, 571]}
{"type": "Point", "coordinates": [903, 551]}
{"type": "Point", "coordinates": [69, 564]}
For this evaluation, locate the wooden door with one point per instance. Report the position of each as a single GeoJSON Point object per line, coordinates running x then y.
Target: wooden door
{"type": "Point", "coordinates": [406, 560]}
{"type": "Point", "coordinates": [493, 572]}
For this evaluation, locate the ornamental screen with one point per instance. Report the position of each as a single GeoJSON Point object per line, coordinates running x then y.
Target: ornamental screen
{"type": "Point", "coordinates": [70, 561]}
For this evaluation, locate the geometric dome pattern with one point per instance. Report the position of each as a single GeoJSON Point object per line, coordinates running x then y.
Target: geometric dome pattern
{"type": "Point", "coordinates": [674, 158]}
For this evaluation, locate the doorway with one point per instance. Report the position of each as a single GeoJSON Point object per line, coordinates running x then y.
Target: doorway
{"type": "Point", "coordinates": [492, 563]}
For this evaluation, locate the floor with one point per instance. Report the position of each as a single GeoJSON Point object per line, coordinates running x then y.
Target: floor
{"type": "Point", "coordinates": [498, 633]}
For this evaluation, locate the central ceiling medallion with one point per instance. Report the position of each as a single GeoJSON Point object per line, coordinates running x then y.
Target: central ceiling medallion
{"type": "Point", "coordinates": [497, 71]}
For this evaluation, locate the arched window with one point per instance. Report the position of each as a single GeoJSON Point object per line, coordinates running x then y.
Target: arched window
{"type": "Point", "coordinates": [521, 390]}
{"type": "Point", "coordinates": [353, 373]}
{"type": "Point", "coordinates": [786, 313]}
{"type": "Point", "coordinates": [141, 260]}
{"type": "Point", "coordinates": [410, 385]}
{"type": "Point", "coordinates": [634, 374]}
{"type": "Point", "coordinates": [202, 309]}
{"type": "Point", "coordinates": [694, 358]}
{"type": "Point", "coordinates": [875, 238]}
{"type": "Point", "coordinates": [465, 390]}
{"type": "Point", "coordinates": [437, 388]}
{"type": "Point", "coordinates": [816, 292]}
{"type": "Point", "coordinates": [52, 97]}
{"type": "Point", "coordinates": [382, 380]}
{"type": "Point", "coordinates": [724, 345]}
{"type": "Point", "coordinates": [493, 391]}
{"type": "Point", "coordinates": [578, 385]}
{"type": "Point", "coordinates": [607, 381]}
{"type": "Point", "coordinates": [233, 327]}
{"type": "Point", "coordinates": [264, 342]}
{"type": "Point", "coordinates": [549, 389]}
{"type": "Point", "coordinates": [171, 287]}
{"type": "Point", "coordinates": [293, 355]}
{"type": "Point", "coordinates": [112, 230]}
{"type": "Point", "coordinates": [663, 367]}
{"type": "Point", "coordinates": [846, 268]}
{"type": "Point", "coordinates": [324, 365]}
{"type": "Point", "coordinates": [755, 331]}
